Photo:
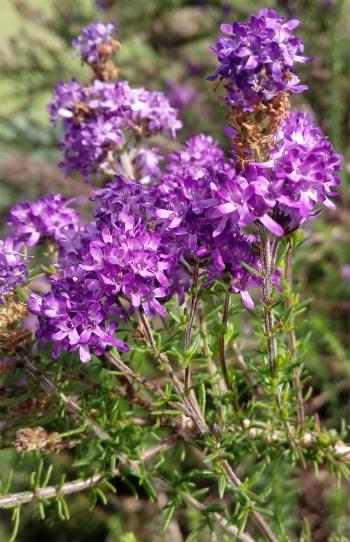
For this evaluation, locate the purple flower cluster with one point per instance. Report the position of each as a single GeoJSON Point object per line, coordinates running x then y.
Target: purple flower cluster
{"type": "Point", "coordinates": [285, 191]}
{"type": "Point", "coordinates": [256, 60]}
{"type": "Point", "coordinates": [186, 204]}
{"type": "Point", "coordinates": [198, 153]}
{"type": "Point", "coordinates": [13, 268]}
{"type": "Point", "coordinates": [96, 120]}
{"type": "Point", "coordinates": [303, 168]}
{"type": "Point", "coordinates": [109, 268]}
{"type": "Point", "coordinates": [46, 218]}
{"type": "Point", "coordinates": [91, 38]}
{"type": "Point", "coordinates": [148, 235]}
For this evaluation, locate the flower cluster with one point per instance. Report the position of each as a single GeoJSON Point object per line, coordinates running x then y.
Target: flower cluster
{"type": "Point", "coordinates": [94, 40]}
{"type": "Point", "coordinates": [284, 191]}
{"type": "Point", "coordinates": [256, 60]}
{"type": "Point", "coordinates": [46, 218]}
{"type": "Point", "coordinates": [199, 152]}
{"type": "Point", "coordinates": [97, 119]}
{"type": "Point", "coordinates": [13, 268]}
{"type": "Point", "coordinates": [114, 261]}
{"type": "Point", "coordinates": [186, 203]}
{"type": "Point", "coordinates": [154, 226]}
{"type": "Point", "coordinates": [303, 168]}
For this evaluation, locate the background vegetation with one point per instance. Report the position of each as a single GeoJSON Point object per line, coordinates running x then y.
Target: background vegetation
{"type": "Point", "coordinates": [166, 46]}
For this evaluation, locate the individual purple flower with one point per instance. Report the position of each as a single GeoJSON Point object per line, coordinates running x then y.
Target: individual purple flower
{"type": "Point", "coordinates": [256, 60]}
{"type": "Point", "coordinates": [13, 268]}
{"type": "Point", "coordinates": [45, 218]}
{"type": "Point", "coordinates": [243, 197]}
{"type": "Point", "coordinates": [92, 38]}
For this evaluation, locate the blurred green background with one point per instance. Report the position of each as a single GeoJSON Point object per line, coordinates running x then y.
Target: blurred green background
{"type": "Point", "coordinates": [166, 46]}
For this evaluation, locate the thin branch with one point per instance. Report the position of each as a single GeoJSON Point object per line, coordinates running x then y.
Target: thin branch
{"type": "Point", "coordinates": [68, 402]}
{"type": "Point", "coordinates": [267, 264]}
{"type": "Point", "coordinates": [258, 519]}
{"type": "Point", "coordinates": [269, 319]}
{"type": "Point", "coordinates": [16, 499]}
{"type": "Point", "coordinates": [145, 382]}
{"type": "Point", "coordinates": [190, 403]}
{"type": "Point", "coordinates": [230, 529]}
{"type": "Point", "coordinates": [194, 412]}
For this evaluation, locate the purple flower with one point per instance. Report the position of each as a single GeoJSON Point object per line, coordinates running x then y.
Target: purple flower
{"type": "Point", "coordinates": [288, 189]}
{"type": "Point", "coordinates": [256, 60]}
{"type": "Point", "coordinates": [192, 160]}
{"type": "Point", "coordinates": [91, 38]}
{"type": "Point", "coordinates": [13, 268]}
{"type": "Point", "coordinates": [73, 320]}
{"type": "Point", "coordinates": [147, 164]}
{"type": "Point", "coordinates": [186, 205]}
{"type": "Point", "coordinates": [45, 218]}
{"type": "Point", "coordinates": [302, 171]}
{"type": "Point", "coordinates": [97, 119]}
{"type": "Point", "coordinates": [119, 258]}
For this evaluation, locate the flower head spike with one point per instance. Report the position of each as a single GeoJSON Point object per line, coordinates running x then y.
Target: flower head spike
{"type": "Point", "coordinates": [98, 119]}
{"type": "Point", "coordinates": [95, 41]}
{"type": "Point", "coordinates": [257, 58]}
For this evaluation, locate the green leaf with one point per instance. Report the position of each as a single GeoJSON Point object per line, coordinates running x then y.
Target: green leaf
{"type": "Point", "coordinates": [250, 269]}
{"type": "Point", "coordinates": [222, 485]}
{"type": "Point", "coordinates": [15, 519]}
{"type": "Point", "coordinates": [169, 512]}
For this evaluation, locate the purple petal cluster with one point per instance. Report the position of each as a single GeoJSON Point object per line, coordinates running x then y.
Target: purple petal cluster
{"type": "Point", "coordinates": [13, 268]}
{"type": "Point", "coordinates": [97, 119]}
{"type": "Point", "coordinates": [91, 38]}
{"type": "Point", "coordinates": [285, 191]}
{"type": "Point", "coordinates": [108, 269]}
{"type": "Point", "coordinates": [186, 205]}
{"type": "Point", "coordinates": [46, 218]}
{"type": "Point", "coordinates": [75, 315]}
{"type": "Point", "coordinates": [303, 169]}
{"type": "Point", "coordinates": [257, 58]}
{"type": "Point", "coordinates": [193, 160]}
{"type": "Point", "coordinates": [198, 153]}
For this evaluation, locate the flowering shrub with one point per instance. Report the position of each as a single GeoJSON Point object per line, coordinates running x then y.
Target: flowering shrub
{"type": "Point", "coordinates": [179, 250]}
